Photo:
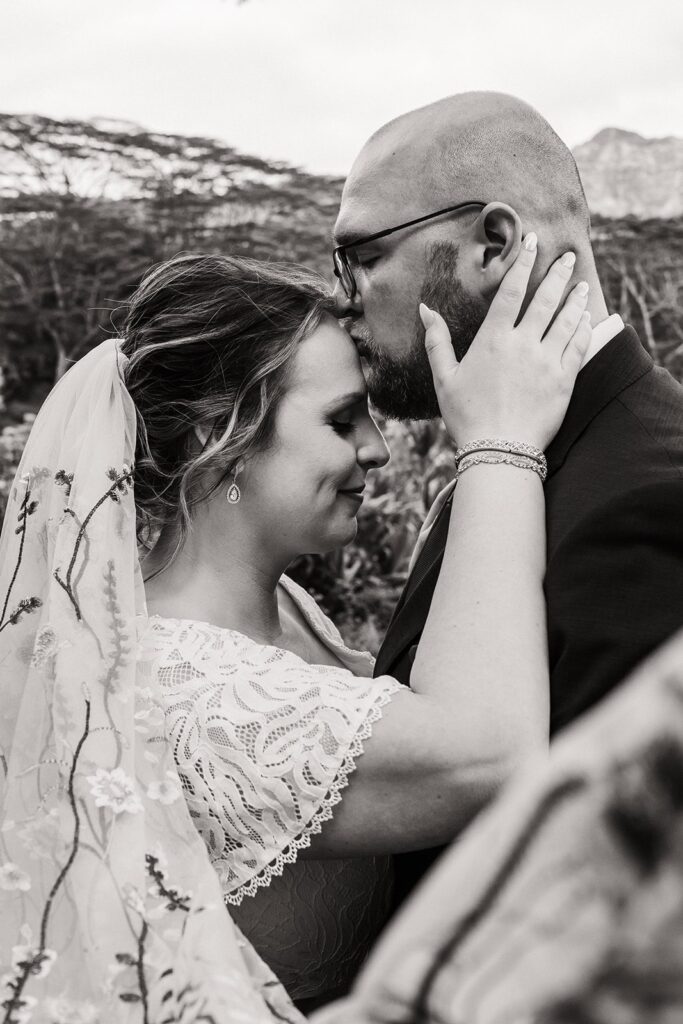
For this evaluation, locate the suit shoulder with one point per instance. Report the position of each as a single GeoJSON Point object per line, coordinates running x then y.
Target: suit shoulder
{"type": "Point", "coordinates": [651, 513]}
{"type": "Point", "coordinates": [654, 404]}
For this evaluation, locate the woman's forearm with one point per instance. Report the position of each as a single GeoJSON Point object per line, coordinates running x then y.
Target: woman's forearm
{"type": "Point", "coordinates": [482, 655]}
{"type": "Point", "coordinates": [478, 700]}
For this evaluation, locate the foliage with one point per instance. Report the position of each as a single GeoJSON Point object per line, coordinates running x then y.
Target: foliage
{"type": "Point", "coordinates": [67, 267]}
{"type": "Point", "coordinates": [12, 440]}
{"type": "Point", "coordinates": [641, 273]}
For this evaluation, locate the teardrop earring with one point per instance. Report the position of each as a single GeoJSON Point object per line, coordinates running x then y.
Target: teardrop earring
{"type": "Point", "coordinates": [234, 494]}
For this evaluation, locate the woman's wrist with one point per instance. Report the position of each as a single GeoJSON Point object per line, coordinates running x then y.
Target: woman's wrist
{"type": "Point", "coordinates": [503, 444]}
{"type": "Point", "coordinates": [495, 451]}
{"type": "Point", "coordinates": [498, 458]}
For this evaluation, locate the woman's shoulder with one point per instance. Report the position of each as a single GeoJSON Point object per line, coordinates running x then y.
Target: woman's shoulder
{"type": "Point", "coordinates": [192, 646]}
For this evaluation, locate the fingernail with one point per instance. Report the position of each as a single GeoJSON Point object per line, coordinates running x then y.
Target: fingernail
{"type": "Point", "coordinates": [531, 241]}
{"type": "Point", "coordinates": [586, 316]}
{"type": "Point", "coordinates": [582, 288]}
{"type": "Point", "coordinates": [568, 260]}
{"type": "Point", "coordinates": [426, 316]}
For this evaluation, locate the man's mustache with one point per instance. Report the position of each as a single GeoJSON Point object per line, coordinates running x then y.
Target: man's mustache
{"type": "Point", "coordinates": [360, 333]}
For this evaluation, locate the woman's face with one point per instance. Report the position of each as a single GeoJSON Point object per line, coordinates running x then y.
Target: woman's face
{"type": "Point", "coordinates": [307, 488]}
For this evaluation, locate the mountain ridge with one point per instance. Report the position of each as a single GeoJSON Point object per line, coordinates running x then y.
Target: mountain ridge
{"type": "Point", "coordinates": [624, 173]}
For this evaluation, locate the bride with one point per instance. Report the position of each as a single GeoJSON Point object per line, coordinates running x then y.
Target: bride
{"type": "Point", "coordinates": [181, 726]}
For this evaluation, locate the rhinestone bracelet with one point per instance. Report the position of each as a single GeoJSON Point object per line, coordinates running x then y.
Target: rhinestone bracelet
{"type": "Point", "coordinates": [498, 444]}
{"type": "Point", "coordinates": [496, 458]}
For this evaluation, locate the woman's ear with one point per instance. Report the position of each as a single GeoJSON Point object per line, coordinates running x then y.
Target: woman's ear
{"type": "Point", "coordinates": [499, 239]}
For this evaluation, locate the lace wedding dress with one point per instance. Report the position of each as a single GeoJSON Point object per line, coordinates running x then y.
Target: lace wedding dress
{"type": "Point", "coordinates": [264, 744]}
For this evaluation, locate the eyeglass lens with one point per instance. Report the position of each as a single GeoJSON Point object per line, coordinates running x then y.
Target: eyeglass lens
{"type": "Point", "coordinates": [343, 272]}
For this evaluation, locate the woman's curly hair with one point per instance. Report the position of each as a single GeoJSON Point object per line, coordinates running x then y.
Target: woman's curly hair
{"type": "Point", "coordinates": [210, 340]}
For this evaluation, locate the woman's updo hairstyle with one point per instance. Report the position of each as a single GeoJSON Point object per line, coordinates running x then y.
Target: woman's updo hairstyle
{"type": "Point", "coordinates": [210, 340]}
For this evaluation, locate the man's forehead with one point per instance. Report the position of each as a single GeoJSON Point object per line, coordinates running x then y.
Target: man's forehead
{"type": "Point", "coordinates": [360, 216]}
{"type": "Point", "coordinates": [374, 202]}
{"type": "Point", "coordinates": [387, 184]}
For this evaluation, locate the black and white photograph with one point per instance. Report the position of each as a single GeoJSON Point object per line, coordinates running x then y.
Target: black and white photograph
{"type": "Point", "coordinates": [341, 491]}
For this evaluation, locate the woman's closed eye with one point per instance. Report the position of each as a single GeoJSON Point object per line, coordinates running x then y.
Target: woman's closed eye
{"type": "Point", "coordinates": [347, 414]}
{"type": "Point", "coordinates": [342, 427]}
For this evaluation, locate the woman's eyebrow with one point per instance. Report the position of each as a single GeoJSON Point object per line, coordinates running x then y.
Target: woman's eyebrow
{"type": "Point", "coordinates": [350, 398]}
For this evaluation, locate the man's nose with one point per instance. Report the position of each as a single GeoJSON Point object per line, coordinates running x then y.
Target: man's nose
{"type": "Point", "coordinates": [343, 305]}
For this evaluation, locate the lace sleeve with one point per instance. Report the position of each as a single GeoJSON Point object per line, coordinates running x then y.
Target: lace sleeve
{"type": "Point", "coordinates": [264, 743]}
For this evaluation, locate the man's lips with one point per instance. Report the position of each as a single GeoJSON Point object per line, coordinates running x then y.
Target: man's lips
{"type": "Point", "coordinates": [361, 343]}
{"type": "Point", "coordinates": [365, 354]}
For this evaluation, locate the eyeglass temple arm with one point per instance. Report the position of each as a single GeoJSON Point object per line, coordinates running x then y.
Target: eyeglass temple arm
{"type": "Point", "coordinates": [408, 224]}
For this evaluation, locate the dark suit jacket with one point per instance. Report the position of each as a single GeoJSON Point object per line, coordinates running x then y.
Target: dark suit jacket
{"type": "Point", "coordinates": [614, 515]}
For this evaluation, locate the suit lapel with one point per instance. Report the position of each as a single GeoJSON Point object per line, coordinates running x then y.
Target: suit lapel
{"type": "Point", "coordinates": [410, 613]}
{"type": "Point", "coordinates": [620, 363]}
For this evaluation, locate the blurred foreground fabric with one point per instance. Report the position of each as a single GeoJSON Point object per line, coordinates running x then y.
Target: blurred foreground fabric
{"type": "Point", "coordinates": [563, 904]}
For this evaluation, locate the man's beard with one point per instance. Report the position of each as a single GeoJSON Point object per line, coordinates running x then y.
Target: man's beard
{"type": "Point", "coordinates": [403, 389]}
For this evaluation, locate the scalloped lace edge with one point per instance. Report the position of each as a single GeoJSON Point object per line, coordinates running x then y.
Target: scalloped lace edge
{"type": "Point", "coordinates": [324, 812]}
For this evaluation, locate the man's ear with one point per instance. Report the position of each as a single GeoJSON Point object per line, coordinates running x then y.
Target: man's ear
{"type": "Point", "coordinates": [499, 239]}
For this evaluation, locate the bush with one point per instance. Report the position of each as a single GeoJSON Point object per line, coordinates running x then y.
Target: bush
{"type": "Point", "coordinates": [13, 438]}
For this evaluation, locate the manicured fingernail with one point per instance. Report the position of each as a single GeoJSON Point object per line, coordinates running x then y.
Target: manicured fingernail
{"type": "Point", "coordinates": [582, 288]}
{"type": "Point", "coordinates": [426, 316]}
{"type": "Point", "coordinates": [586, 316]}
{"type": "Point", "coordinates": [531, 241]}
{"type": "Point", "coordinates": [568, 260]}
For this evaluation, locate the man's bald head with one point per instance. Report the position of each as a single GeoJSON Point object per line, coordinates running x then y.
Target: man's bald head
{"type": "Point", "coordinates": [477, 148]}
{"type": "Point", "coordinates": [476, 145]}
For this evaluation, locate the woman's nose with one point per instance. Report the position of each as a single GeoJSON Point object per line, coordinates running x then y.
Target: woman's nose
{"type": "Point", "coordinates": [374, 453]}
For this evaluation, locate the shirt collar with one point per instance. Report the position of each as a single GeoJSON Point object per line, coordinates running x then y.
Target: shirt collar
{"type": "Point", "coordinates": [602, 333]}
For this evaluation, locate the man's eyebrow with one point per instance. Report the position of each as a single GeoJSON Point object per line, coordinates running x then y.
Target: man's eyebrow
{"type": "Point", "coordinates": [345, 237]}
{"type": "Point", "coordinates": [341, 238]}
{"type": "Point", "coordinates": [352, 240]}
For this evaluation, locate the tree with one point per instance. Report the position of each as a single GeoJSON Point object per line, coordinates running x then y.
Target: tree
{"type": "Point", "coordinates": [62, 269]}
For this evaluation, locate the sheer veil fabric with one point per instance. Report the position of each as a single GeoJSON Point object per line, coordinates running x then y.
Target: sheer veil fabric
{"type": "Point", "coordinates": [111, 911]}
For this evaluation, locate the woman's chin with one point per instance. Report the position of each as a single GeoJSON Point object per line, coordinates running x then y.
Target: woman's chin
{"type": "Point", "coordinates": [339, 538]}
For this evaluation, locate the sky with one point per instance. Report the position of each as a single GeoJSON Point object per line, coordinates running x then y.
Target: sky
{"type": "Point", "coordinates": [307, 81]}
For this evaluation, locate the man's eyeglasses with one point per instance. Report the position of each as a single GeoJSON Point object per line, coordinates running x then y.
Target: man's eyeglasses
{"type": "Point", "coordinates": [342, 268]}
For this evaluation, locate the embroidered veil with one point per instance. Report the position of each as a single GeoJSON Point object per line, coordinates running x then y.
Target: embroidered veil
{"type": "Point", "coordinates": [111, 911]}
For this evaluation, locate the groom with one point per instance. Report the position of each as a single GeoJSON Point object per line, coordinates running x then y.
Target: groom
{"type": "Point", "coordinates": [434, 210]}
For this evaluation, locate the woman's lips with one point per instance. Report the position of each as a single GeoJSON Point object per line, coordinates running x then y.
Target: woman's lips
{"type": "Point", "coordinates": [355, 493]}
